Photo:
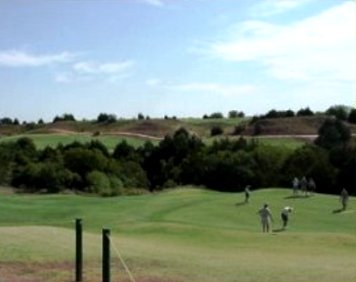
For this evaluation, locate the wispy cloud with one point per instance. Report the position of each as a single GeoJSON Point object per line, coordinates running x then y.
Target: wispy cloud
{"type": "Point", "coordinates": [272, 7]}
{"type": "Point", "coordinates": [89, 70]}
{"type": "Point", "coordinates": [221, 89]}
{"type": "Point", "coordinates": [157, 3]}
{"type": "Point", "coordinates": [318, 47]}
{"type": "Point", "coordinates": [102, 68]}
{"type": "Point", "coordinates": [15, 58]}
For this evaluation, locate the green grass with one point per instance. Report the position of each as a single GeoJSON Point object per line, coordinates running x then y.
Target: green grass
{"type": "Point", "coordinates": [203, 126]}
{"type": "Point", "coordinates": [187, 235]}
{"type": "Point", "coordinates": [110, 141]}
{"type": "Point", "coordinates": [288, 143]}
{"type": "Point", "coordinates": [285, 143]}
{"type": "Point", "coordinates": [52, 140]}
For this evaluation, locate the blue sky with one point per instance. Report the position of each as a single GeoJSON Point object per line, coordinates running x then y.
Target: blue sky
{"type": "Point", "coordinates": [174, 57]}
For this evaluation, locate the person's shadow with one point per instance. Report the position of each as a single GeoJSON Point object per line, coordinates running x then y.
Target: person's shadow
{"type": "Point", "coordinates": [297, 197]}
{"type": "Point", "coordinates": [241, 203]}
{"type": "Point", "coordinates": [338, 210]}
{"type": "Point", "coordinates": [279, 230]}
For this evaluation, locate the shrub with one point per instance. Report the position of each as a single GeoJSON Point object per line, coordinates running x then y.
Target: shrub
{"type": "Point", "coordinates": [352, 116]}
{"type": "Point", "coordinates": [305, 112]}
{"type": "Point", "coordinates": [107, 118]}
{"type": "Point", "coordinates": [104, 185]}
{"type": "Point", "coordinates": [338, 111]}
{"type": "Point", "coordinates": [96, 133]}
{"type": "Point", "coordinates": [216, 130]}
{"type": "Point", "coordinates": [333, 133]}
{"type": "Point", "coordinates": [238, 129]}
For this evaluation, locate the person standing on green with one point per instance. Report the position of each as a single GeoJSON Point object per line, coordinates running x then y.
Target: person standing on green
{"type": "Point", "coordinates": [266, 218]}
{"type": "Point", "coordinates": [344, 198]}
{"type": "Point", "coordinates": [247, 193]}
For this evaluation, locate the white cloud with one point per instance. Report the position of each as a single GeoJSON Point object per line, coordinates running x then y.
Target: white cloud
{"type": "Point", "coordinates": [157, 3]}
{"type": "Point", "coordinates": [15, 58]}
{"type": "Point", "coordinates": [106, 68]}
{"type": "Point", "coordinates": [89, 70]}
{"type": "Point", "coordinates": [226, 90]}
{"type": "Point", "coordinates": [273, 7]}
{"type": "Point", "coordinates": [319, 47]}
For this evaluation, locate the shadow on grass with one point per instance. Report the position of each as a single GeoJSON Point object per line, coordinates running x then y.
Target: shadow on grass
{"type": "Point", "coordinates": [241, 204]}
{"type": "Point", "coordinates": [297, 197]}
{"type": "Point", "coordinates": [279, 230]}
{"type": "Point", "coordinates": [338, 210]}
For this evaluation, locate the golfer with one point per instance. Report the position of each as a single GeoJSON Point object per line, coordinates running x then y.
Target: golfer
{"type": "Point", "coordinates": [266, 218]}
{"type": "Point", "coordinates": [295, 184]}
{"type": "Point", "coordinates": [247, 193]}
{"type": "Point", "coordinates": [344, 198]}
{"type": "Point", "coordinates": [285, 215]}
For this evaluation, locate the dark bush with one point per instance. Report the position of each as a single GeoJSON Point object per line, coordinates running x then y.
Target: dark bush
{"type": "Point", "coordinates": [216, 130]}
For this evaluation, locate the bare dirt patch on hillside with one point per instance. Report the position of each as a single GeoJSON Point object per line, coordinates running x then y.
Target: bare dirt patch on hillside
{"type": "Point", "coordinates": [149, 128]}
{"type": "Point", "coordinates": [36, 272]}
{"type": "Point", "coordinates": [287, 126]}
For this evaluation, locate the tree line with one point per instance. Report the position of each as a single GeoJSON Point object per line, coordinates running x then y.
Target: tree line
{"type": "Point", "coordinates": [180, 159]}
{"type": "Point", "coordinates": [341, 112]}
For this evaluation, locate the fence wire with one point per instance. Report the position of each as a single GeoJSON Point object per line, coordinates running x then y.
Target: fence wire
{"type": "Point", "coordinates": [121, 259]}
{"type": "Point", "coordinates": [45, 251]}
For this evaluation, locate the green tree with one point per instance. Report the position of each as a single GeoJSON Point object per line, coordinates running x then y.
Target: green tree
{"type": "Point", "coordinates": [305, 112]}
{"type": "Point", "coordinates": [82, 161]}
{"type": "Point", "coordinates": [216, 130]}
{"type": "Point", "coordinates": [310, 161]}
{"type": "Point", "coordinates": [352, 116]}
{"type": "Point", "coordinates": [104, 185]}
{"type": "Point", "coordinates": [64, 117]}
{"type": "Point", "coordinates": [236, 114]}
{"type": "Point", "coordinates": [333, 133]}
{"type": "Point", "coordinates": [339, 111]}
{"type": "Point", "coordinates": [107, 118]}
{"type": "Point", "coordinates": [124, 151]}
{"type": "Point", "coordinates": [217, 115]}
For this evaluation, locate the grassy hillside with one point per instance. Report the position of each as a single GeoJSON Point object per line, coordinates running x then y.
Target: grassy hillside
{"type": "Point", "coordinates": [292, 132]}
{"type": "Point", "coordinates": [110, 141]}
{"type": "Point", "coordinates": [53, 140]}
{"type": "Point", "coordinates": [162, 127]}
{"type": "Point", "coordinates": [181, 235]}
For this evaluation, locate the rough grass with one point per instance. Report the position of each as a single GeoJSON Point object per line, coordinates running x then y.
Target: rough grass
{"type": "Point", "coordinates": [110, 141]}
{"type": "Point", "coordinates": [181, 235]}
{"type": "Point", "coordinates": [53, 140]}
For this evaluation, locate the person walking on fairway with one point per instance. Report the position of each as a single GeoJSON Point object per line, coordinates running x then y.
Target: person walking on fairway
{"type": "Point", "coordinates": [311, 186]}
{"type": "Point", "coordinates": [344, 198]}
{"type": "Point", "coordinates": [285, 215]}
{"type": "Point", "coordinates": [266, 218]}
{"type": "Point", "coordinates": [304, 186]}
{"type": "Point", "coordinates": [247, 193]}
{"type": "Point", "coordinates": [295, 184]}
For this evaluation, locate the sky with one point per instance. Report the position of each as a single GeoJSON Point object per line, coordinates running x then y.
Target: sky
{"type": "Point", "coordinates": [183, 58]}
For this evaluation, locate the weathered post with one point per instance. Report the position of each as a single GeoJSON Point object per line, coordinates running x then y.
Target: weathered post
{"type": "Point", "coordinates": [78, 251]}
{"type": "Point", "coordinates": [106, 255]}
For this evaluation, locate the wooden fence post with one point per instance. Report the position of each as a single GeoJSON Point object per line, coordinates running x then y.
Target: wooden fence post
{"type": "Point", "coordinates": [78, 250]}
{"type": "Point", "coordinates": [106, 255]}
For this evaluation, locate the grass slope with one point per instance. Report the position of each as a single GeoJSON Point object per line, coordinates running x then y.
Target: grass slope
{"type": "Point", "coordinates": [52, 140]}
{"type": "Point", "coordinates": [110, 141]}
{"type": "Point", "coordinates": [184, 235]}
